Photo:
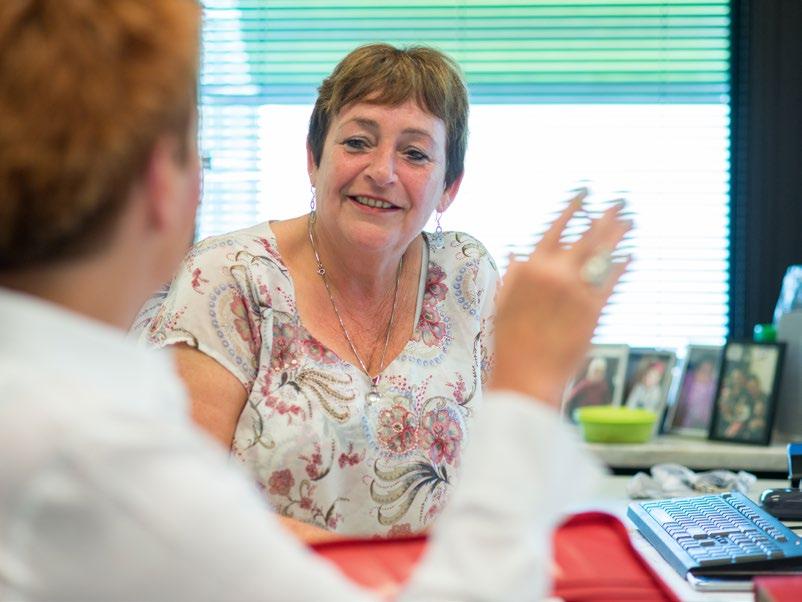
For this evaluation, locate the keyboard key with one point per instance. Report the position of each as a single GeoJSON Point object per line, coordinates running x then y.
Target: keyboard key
{"type": "Point", "coordinates": [697, 532]}
{"type": "Point", "coordinates": [661, 516]}
{"type": "Point", "coordinates": [713, 561]}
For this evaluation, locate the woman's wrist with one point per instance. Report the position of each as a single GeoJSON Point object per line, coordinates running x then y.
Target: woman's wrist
{"type": "Point", "coordinates": [522, 380]}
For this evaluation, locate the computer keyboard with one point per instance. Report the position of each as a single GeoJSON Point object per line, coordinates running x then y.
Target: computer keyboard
{"type": "Point", "coordinates": [724, 534]}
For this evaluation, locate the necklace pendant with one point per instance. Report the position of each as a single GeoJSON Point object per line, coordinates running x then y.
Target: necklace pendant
{"type": "Point", "coordinates": [373, 396]}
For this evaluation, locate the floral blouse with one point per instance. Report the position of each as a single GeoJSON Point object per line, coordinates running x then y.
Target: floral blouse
{"type": "Point", "coordinates": [320, 452]}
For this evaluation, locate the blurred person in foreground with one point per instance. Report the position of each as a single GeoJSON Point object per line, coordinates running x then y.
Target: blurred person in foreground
{"type": "Point", "coordinates": [107, 489]}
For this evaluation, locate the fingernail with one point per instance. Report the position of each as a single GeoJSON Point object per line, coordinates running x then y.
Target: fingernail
{"type": "Point", "coordinates": [579, 196]}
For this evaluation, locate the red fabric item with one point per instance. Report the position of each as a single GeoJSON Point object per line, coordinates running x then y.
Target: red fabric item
{"type": "Point", "coordinates": [594, 562]}
{"type": "Point", "coordinates": [778, 589]}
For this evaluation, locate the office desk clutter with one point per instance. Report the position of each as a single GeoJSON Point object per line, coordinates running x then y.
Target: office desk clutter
{"type": "Point", "coordinates": [717, 536]}
{"type": "Point", "coordinates": [673, 480]}
{"type": "Point", "coordinates": [727, 393]}
{"type": "Point", "coordinates": [778, 589]}
{"type": "Point", "coordinates": [592, 559]}
{"type": "Point", "coordinates": [788, 324]}
{"type": "Point", "coordinates": [692, 405]}
{"type": "Point", "coordinates": [615, 424]}
{"type": "Point", "coordinates": [746, 399]}
{"type": "Point", "coordinates": [620, 376]}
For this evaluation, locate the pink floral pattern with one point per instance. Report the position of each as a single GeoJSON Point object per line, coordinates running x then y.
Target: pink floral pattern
{"type": "Point", "coordinates": [315, 350]}
{"type": "Point", "coordinates": [397, 429]}
{"type": "Point", "coordinates": [198, 280]}
{"type": "Point", "coordinates": [459, 389]}
{"type": "Point", "coordinates": [280, 482]}
{"type": "Point", "coordinates": [431, 327]}
{"type": "Point", "coordinates": [287, 348]}
{"type": "Point", "coordinates": [319, 451]}
{"type": "Point", "coordinates": [350, 457]}
{"type": "Point", "coordinates": [402, 530]}
{"type": "Point", "coordinates": [440, 436]}
{"type": "Point", "coordinates": [314, 464]}
{"type": "Point", "coordinates": [242, 323]}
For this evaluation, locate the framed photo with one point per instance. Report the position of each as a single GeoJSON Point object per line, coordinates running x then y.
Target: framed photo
{"type": "Point", "coordinates": [600, 381]}
{"type": "Point", "coordinates": [693, 400]}
{"type": "Point", "coordinates": [746, 397]}
{"type": "Point", "coordinates": [648, 379]}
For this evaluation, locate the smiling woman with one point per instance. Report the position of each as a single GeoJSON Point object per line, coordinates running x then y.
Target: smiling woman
{"type": "Point", "coordinates": [342, 354]}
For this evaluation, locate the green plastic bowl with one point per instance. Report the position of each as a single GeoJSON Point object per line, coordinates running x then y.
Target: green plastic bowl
{"type": "Point", "coordinates": [615, 424]}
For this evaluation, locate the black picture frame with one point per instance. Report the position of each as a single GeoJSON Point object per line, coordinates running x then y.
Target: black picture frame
{"type": "Point", "coordinates": [747, 391]}
{"type": "Point", "coordinates": [691, 409]}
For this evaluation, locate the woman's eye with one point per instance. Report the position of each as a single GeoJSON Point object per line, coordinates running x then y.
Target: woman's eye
{"type": "Point", "coordinates": [416, 155]}
{"type": "Point", "coordinates": [355, 144]}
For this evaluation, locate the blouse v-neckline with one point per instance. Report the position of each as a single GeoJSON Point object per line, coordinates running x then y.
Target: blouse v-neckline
{"type": "Point", "coordinates": [424, 273]}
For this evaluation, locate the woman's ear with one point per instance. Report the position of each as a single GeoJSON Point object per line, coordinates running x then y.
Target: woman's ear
{"type": "Point", "coordinates": [311, 166]}
{"type": "Point", "coordinates": [449, 194]}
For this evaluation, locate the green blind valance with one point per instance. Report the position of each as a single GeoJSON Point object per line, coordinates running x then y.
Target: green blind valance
{"type": "Point", "coordinates": [512, 51]}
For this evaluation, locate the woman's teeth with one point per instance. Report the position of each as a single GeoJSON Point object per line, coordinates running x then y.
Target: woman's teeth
{"type": "Point", "coordinates": [369, 202]}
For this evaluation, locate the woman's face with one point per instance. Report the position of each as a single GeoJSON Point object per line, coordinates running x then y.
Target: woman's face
{"type": "Point", "coordinates": [381, 175]}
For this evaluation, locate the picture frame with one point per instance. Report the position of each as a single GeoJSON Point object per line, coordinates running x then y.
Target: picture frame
{"type": "Point", "coordinates": [746, 395]}
{"type": "Point", "coordinates": [691, 409]}
{"type": "Point", "coordinates": [648, 380]}
{"type": "Point", "coordinates": [600, 380]}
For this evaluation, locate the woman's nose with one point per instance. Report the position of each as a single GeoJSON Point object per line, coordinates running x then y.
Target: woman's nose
{"type": "Point", "coordinates": [382, 167]}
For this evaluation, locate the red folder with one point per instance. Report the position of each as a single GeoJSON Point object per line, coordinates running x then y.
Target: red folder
{"type": "Point", "coordinates": [778, 589]}
{"type": "Point", "coordinates": [594, 561]}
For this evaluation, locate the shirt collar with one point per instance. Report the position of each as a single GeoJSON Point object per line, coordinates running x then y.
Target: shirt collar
{"type": "Point", "coordinates": [62, 345]}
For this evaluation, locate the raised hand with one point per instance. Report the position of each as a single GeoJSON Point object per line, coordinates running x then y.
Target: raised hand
{"type": "Point", "coordinates": [550, 304]}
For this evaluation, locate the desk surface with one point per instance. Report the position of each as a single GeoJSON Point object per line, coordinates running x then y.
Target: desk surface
{"type": "Point", "coordinates": [613, 498]}
{"type": "Point", "coordinates": [698, 454]}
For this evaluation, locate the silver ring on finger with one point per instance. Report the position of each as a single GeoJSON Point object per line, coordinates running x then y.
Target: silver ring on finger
{"type": "Point", "coordinates": [596, 270]}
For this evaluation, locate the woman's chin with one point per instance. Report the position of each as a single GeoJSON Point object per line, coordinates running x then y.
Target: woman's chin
{"type": "Point", "coordinates": [371, 238]}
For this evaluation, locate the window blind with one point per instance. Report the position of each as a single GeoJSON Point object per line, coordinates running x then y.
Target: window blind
{"type": "Point", "coordinates": [629, 97]}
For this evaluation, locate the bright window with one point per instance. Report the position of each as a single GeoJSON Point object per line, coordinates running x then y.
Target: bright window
{"type": "Point", "coordinates": [629, 98]}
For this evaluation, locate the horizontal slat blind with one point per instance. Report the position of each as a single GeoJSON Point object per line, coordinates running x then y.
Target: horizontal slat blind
{"type": "Point", "coordinates": [511, 51]}
{"type": "Point", "coordinates": [630, 97]}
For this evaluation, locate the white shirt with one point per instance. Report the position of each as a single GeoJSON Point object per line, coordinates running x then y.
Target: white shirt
{"type": "Point", "coordinates": [107, 491]}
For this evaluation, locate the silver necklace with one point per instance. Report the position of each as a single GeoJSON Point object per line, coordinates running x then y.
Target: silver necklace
{"type": "Point", "coordinates": [373, 395]}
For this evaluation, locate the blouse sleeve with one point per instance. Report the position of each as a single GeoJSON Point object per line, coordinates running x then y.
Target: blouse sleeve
{"type": "Point", "coordinates": [488, 316]}
{"type": "Point", "coordinates": [215, 305]}
{"type": "Point", "coordinates": [487, 284]}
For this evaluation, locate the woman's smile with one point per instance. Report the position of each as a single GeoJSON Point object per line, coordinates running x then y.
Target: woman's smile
{"type": "Point", "coordinates": [373, 203]}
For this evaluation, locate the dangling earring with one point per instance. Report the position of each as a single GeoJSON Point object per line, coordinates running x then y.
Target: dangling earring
{"type": "Point", "coordinates": [438, 240]}
{"type": "Point", "coordinates": [313, 201]}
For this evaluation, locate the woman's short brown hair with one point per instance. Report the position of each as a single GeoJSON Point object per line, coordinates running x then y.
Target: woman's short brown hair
{"type": "Point", "coordinates": [87, 87]}
{"type": "Point", "coordinates": [386, 75]}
